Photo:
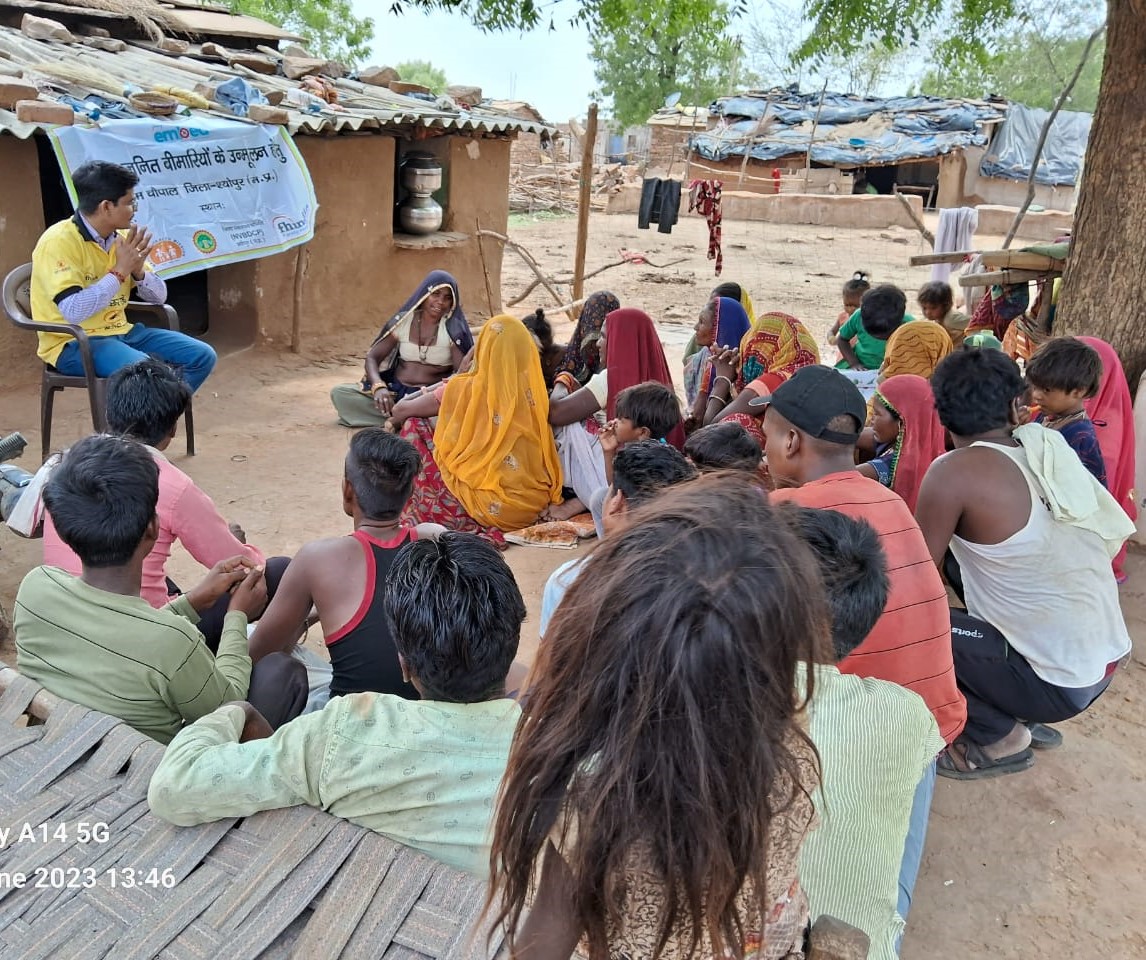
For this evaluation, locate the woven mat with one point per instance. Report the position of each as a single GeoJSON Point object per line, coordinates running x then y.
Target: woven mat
{"type": "Point", "coordinates": [295, 882]}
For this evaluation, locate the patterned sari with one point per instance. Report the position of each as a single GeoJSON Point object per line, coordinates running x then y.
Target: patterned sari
{"type": "Point", "coordinates": [776, 344]}
{"type": "Point", "coordinates": [582, 357]}
{"type": "Point", "coordinates": [490, 464]}
{"type": "Point", "coordinates": [915, 348]}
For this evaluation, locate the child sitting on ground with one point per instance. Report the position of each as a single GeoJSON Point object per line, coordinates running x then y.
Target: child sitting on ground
{"type": "Point", "coordinates": [862, 341]}
{"type": "Point", "coordinates": [853, 292]}
{"type": "Point", "coordinates": [876, 741]}
{"type": "Point", "coordinates": [344, 577]}
{"type": "Point", "coordinates": [647, 411]}
{"type": "Point", "coordinates": [937, 303]}
{"type": "Point", "coordinates": [93, 639]}
{"type": "Point", "coordinates": [1062, 375]}
{"type": "Point", "coordinates": [723, 446]}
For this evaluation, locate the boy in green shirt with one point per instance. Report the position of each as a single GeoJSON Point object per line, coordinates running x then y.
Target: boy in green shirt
{"type": "Point", "coordinates": [877, 742]}
{"type": "Point", "coordinates": [862, 341]}
{"type": "Point", "coordinates": [93, 639]}
{"type": "Point", "coordinates": [422, 772]}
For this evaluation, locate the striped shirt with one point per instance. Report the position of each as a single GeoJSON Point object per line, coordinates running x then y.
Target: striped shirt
{"type": "Point", "coordinates": [911, 643]}
{"type": "Point", "coordinates": [875, 740]}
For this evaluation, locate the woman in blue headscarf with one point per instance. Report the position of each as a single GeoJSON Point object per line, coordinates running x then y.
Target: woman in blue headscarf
{"type": "Point", "coordinates": [426, 341]}
{"type": "Point", "coordinates": [722, 325]}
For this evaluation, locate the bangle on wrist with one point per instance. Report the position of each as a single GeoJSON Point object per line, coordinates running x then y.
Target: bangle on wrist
{"type": "Point", "coordinates": [119, 276]}
{"type": "Point", "coordinates": [717, 380]}
{"type": "Point", "coordinates": [376, 387]}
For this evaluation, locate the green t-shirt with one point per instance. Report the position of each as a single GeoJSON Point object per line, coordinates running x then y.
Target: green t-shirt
{"type": "Point", "coordinates": [121, 656]}
{"type": "Point", "coordinates": [869, 350]}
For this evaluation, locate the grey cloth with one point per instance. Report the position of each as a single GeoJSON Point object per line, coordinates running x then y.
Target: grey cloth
{"type": "Point", "coordinates": [597, 508]}
{"type": "Point", "coordinates": [355, 408]}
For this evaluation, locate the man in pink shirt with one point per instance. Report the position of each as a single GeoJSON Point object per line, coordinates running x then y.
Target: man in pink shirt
{"type": "Point", "coordinates": [145, 401]}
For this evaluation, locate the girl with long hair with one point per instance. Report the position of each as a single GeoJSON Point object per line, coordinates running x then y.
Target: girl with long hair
{"type": "Point", "coordinates": [659, 776]}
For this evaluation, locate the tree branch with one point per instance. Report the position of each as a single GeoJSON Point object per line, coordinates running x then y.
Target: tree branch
{"type": "Point", "coordinates": [1090, 41]}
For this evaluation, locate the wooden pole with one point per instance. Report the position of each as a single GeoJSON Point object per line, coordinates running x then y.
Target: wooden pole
{"type": "Point", "coordinates": [812, 137]}
{"type": "Point", "coordinates": [583, 202]}
{"type": "Point", "coordinates": [919, 224]}
{"type": "Point", "coordinates": [300, 263]}
{"type": "Point", "coordinates": [484, 268]}
{"type": "Point", "coordinates": [1045, 132]}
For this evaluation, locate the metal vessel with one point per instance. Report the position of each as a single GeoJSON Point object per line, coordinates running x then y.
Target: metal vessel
{"type": "Point", "coordinates": [421, 175]}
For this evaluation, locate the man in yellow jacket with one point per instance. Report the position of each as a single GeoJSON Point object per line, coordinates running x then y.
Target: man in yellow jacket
{"type": "Point", "coordinates": [83, 272]}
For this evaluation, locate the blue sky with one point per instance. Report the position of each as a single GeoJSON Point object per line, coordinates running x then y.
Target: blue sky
{"type": "Point", "coordinates": [549, 69]}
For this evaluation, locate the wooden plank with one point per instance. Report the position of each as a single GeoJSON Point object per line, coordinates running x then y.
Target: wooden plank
{"type": "Point", "coordinates": [927, 259]}
{"type": "Point", "coordinates": [1007, 276]}
{"type": "Point", "coordinates": [1020, 260]}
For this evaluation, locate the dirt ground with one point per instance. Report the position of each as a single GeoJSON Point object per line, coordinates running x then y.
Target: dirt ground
{"type": "Point", "coordinates": [1031, 866]}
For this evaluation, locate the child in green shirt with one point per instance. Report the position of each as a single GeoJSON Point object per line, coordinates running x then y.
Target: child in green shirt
{"type": "Point", "coordinates": [862, 341]}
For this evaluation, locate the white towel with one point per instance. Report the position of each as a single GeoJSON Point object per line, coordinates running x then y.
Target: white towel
{"type": "Point", "coordinates": [956, 227]}
{"type": "Point", "coordinates": [1071, 492]}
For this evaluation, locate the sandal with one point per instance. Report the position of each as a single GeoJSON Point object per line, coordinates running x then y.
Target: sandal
{"type": "Point", "coordinates": [1044, 737]}
{"type": "Point", "coordinates": [965, 760]}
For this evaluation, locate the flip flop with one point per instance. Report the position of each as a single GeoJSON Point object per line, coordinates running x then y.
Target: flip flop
{"type": "Point", "coordinates": [1044, 737]}
{"type": "Point", "coordinates": [977, 765]}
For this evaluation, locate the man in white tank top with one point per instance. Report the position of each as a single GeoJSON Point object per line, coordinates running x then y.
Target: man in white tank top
{"type": "Point", "coordinates": [1043, 632]}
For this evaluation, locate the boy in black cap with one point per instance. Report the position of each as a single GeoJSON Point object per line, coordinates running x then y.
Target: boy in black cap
{"type": "Point", "coordinates": [811, 425]}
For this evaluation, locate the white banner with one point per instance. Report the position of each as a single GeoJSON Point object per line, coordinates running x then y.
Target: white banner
{"type": "Point", "coordinates": [211, 191]}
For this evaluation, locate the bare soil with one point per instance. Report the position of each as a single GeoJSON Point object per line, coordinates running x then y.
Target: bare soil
{"type": "Point", "coordinates": [1025, 867]}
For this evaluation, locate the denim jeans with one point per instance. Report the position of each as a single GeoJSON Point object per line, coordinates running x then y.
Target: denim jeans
{"type": "Point", "coordinates": [916, 835]}
{"type": "Point", "coordinates": [195, 359]}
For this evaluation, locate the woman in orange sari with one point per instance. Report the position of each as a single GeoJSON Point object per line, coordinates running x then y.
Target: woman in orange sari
{"type": "Point", "coordinates": [916, 349]}
{"type": "Point", "coordinates": [490, 464]}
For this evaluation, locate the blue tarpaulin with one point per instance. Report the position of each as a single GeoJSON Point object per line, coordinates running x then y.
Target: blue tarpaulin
{"type": "Point", "coordinates": [1013, 148]}
{"type": "Point", "coordinates": [852, 131]}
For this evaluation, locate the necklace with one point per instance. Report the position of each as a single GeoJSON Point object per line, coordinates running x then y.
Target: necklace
{"type": "Point", "coordinates": [423, 349]}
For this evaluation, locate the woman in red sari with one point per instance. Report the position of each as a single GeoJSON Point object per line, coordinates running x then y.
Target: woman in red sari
{"type": "Point", "coordinates": [1113, 416]}
{"type": "Point", "coordinates": [908, 435]}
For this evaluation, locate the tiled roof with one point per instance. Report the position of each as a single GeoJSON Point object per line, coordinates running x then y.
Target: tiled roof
{"type": "Point", "coordinates": [77, 69]}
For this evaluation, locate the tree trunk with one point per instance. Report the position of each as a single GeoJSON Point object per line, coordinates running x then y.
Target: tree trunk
{"type": "Point", "coordinates": [1104, 288]}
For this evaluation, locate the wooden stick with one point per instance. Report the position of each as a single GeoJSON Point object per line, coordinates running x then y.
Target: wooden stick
{"type": "Point", "coordinates": [484, 267]}
{"type": "Point", "coordinates": [529, 262]}
{"type": "Point", "coordinates": [812, 138]}
{"type": "Point", "coordinates": [592, 273]}
{"type": "Point", "coordinates": [919, 224]}
{"type": "Point", "coordinates": [296, 305]}
{"type": "Point", "coordinates": [926, 259]}
{"type": "Point", "coordinates": [1090, 41]}
{"type": "Point", "coordinates": [583, 202]}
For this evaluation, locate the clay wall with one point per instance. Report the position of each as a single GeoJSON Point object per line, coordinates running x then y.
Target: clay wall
{"type": "Point", "coordinates": [21, 223]}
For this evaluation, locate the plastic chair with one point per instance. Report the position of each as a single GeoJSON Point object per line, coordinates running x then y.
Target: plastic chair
{"type": "Point", "coordinates": [17, 304]}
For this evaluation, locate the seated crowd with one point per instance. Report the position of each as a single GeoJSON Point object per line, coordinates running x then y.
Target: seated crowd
{"type": "Point", "coordinates": [802, 608]}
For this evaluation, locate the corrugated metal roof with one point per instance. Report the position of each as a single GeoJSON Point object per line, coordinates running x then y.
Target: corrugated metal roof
{"type": "Point", "coordinates": [365, 107]}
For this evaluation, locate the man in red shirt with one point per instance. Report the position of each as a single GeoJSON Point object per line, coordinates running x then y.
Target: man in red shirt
{"type": "Point", "coordinates": [811, 425]}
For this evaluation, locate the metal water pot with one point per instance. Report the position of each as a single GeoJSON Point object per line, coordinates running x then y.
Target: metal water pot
{"type": "Point", "coordinates": [421, 174]}
{"type": "Point", "coordinates": [420, 215]}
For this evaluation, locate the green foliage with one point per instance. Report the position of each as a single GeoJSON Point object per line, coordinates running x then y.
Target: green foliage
{"type": "Point", "coordinates": [606, 15]}
{"type": "Point", "coordinates": [329, 27]}
{"type": "Point", "coordinates": [773, 47]}
{"type": "Point", "coordinates": [423, 72]}
{"type": "Point", "coordinates": [665, 46]}
{"type": "Point", "coordinates": [1024, 68]}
